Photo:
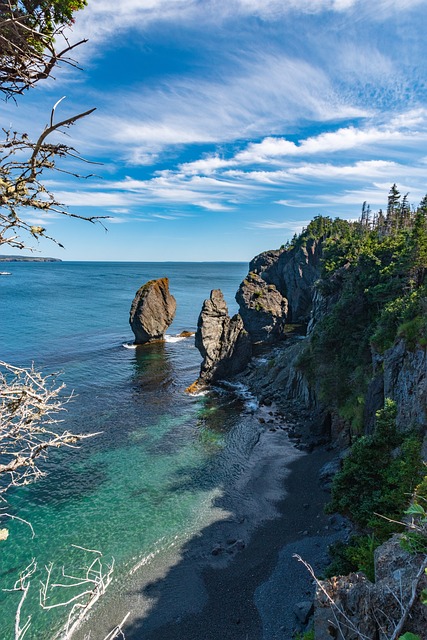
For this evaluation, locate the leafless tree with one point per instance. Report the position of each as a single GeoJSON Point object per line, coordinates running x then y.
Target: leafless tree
{"type": "Point", "coordinates": [29, 425]}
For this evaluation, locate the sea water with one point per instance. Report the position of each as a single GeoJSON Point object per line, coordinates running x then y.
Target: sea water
{"type": "Point", "coordinates": [148, 481]}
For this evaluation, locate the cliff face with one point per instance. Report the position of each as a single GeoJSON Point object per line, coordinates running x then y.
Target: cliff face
{"type": "Point", "coordinates": [293, 272]}
{"type": "Point", "coordinates": [334, 372]}
{"type": "Point", "coordinates": [262, 308]}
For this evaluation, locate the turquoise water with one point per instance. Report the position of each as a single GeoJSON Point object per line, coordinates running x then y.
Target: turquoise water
{"type": "Point", "coordinates": [148, 480]}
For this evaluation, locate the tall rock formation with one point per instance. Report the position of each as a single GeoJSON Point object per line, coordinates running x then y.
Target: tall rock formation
{"type": "Point", "coordinates": [152, 311]}
{"type": "Point", "coordinates": [262, 308]}
{"type": "Point", "coordinates": [293, 272]}
{"type": "Point", "coordinates": [223, 342]}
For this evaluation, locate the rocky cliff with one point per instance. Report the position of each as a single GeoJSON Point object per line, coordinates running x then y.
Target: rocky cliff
{"type": "Point", "coordinates": [262, 308]}
{"type": "Point", "coordinates": [293, 272]}
{"type": "Point", "coordinates": [152, 311]}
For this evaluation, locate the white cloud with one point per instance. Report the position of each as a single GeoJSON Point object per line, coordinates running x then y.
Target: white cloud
{"type": "Point", "coordinates": [295, 226]}
{"type": "Point", "coordinates": [330, 142]}
{"type": "Point", "coordinates": [102, 18]}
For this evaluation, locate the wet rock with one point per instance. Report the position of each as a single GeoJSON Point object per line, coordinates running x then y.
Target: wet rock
{"type": "Point", "coordinates": [223, 342]}
{"type": "Point", "coordinates": [152, 311]}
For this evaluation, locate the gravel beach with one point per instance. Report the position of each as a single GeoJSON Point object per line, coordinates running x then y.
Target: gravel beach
{"type": "Point", "coordinates": [243, 581]}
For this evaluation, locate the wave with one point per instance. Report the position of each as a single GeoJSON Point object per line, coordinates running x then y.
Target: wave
{"type": "Point", "coordinates": [242, 391]}
{"type": "Point", "coordinates": [178, 338]}
{"type": "Point", "coordinates": [129, 345]}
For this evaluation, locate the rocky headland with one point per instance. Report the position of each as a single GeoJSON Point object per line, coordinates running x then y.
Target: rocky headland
{"type": "Point", "coordinates": [28, 259]}
{"type": "Point", "coordinates": [152, 311]}
{"type": "Point", "coordinates": [334, 343]}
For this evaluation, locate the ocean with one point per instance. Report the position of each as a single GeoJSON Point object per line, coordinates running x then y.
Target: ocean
{"type": "Point", "coordinates": [152, 478]}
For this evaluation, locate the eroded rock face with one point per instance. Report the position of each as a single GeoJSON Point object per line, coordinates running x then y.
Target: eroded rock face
{"type": "Point", "coordinates": [152, 311]}
{"type": "Point", "coordinates": [263, 309]}
{"type": "Point", "coordinates": [405, 381]}
{"type": "Point", "coordinates": [293, 272]}
{"type": "Point", "coordinates": [223, 342]}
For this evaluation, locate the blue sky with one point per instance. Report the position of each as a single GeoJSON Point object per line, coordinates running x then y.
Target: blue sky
{"type": "Point", "coordinates": [224, 126]}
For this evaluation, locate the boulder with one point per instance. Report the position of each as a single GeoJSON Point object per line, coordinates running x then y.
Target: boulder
{"type": "Point", "coordinates": [262, 308]}
{"type": "Point", "coordinates": [223, 342]}
{"type": "Point", "coordinates": [152, 311]}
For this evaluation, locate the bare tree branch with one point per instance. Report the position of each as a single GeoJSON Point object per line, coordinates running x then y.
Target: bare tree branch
{"type": "Point", "coordinates": [29, 406]}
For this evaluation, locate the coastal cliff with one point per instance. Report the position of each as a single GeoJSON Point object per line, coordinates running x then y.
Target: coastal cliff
{"type": "Point", "coordinates": [356, 368]}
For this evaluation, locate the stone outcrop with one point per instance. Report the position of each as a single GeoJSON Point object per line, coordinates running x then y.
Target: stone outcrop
{"type": "Point", "coordinates": [262, 308]}
{"type": "Point", "coordinates": [152, 311]}
{"type": "Point", "coordinates": [293, 272]}
{"type": "Point", "coordinates": [223, 342]}
{"type": "Point", "coordinates": [361, 607]}
{"type": "Point", "coordinates": [405, 381]}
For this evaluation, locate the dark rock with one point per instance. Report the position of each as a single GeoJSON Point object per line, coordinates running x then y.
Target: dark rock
{"type": "Point", "coordinates": [303, 611]}
{"type": "Point", "coordinates": [267, 262]}
{"type": "Point", "coordinates": [329, 470]}
{"type": "Point", "coordinates": [374, 400]}
{"type": "Point", "coordinates": [373, 610]}
{"type": "Point", "coordinates": [263, 309]}
{"type": "Point", "coordinates": [217, 550]}
{"type": "Point", "coordinates": [223, 342]}
{"type": "Point", "coordinates": [405, 381]}
{"type": "Point", "coordinates": [152, 311]}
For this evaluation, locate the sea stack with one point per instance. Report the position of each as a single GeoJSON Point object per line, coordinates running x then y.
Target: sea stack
{"type": "Point", "coordinates": [223, 342]}
{"type": "Point", "coordinates": [152, 311]}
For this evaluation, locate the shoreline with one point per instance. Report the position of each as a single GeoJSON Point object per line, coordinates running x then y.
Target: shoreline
{"type": "Point", "coordinates": [237, 579]}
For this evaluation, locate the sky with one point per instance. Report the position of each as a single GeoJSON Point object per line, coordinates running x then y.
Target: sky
{"type": "Point", "coordinates": [222, 127]}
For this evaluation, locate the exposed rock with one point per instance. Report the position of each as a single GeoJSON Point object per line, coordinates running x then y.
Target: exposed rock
{"type": "Point", "coordinates": [262, 308]}
{"type": "Point", "coordinates": [303, 611]}
{"type": "Point", "coordinates": [329, 471]}
{"type": "Point", "coordinates": [374, 609]}
{"type": "Point", "coordinates": [186, 334]}
{"type": "Point", "coordinates": [293, 272]}
{"type": "Point", "coordinates": [223, 342]}
{"type": "Point", "coordinates": [152, 311]}
{"type": "Point", "coordinates": [405, 381]}
{"type": "Point", "coordinates": [374, 400]}
{"type": "Point", "coordinates": [267, 263]}
{"type": "Point", "coordinates": [299, 269]}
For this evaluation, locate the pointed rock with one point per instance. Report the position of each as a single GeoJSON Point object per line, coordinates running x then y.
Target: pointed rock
{"type": "Point", "coordinates": [223, 342]}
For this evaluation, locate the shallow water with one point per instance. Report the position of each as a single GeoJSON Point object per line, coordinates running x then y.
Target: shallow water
{"type": "Point", "coordinates": [147, 482]}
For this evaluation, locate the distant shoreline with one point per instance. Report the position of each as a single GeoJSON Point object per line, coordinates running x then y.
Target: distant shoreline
{"type": "Point", "coordinates": [27, 259]}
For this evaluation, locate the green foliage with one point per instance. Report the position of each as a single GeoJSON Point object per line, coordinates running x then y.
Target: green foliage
{"type": "Point", "coordinates": [375, 270]}
{"type": "Point", "coordinates": [306, 635]}
{"type": "Point", "coordinates": [356, 555]}
{"type": "Point", "coordinates": [409, 636]}
{"type": "Point", "coordinates": [378, 475]}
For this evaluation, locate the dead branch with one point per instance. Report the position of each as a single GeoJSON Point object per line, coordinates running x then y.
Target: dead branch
{"type": "Point", "coordinates": [23, 584]}
{"type": "Point", "coordinates": [29, 426]}
{"type": "Point", "coordinates": [92, 584]}
{"type": "Point", "coordinates": [406, 611]}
